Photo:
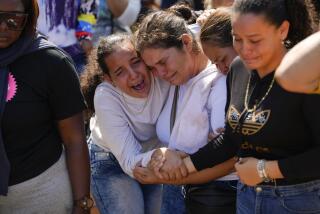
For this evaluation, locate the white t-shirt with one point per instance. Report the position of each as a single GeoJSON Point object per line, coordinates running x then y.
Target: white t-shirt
{"type": "Point", "coordinates": [123, 124]}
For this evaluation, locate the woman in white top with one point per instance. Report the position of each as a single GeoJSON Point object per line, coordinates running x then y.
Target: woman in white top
{"type": "Point", "coordinates": [127, 104]}
{"type": "Point", "coordinates": [198, 96]}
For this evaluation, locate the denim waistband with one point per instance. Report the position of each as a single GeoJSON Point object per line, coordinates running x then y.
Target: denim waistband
{"type": "Point", "coordinates": [288, 190]}
{"type": "Point", "coordinates": [287, 182]}
{"type": "Point", "coordinates": [96, 152]}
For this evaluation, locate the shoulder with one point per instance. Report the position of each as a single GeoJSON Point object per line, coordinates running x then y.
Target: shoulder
{"type": "Point", "coordinates": [47, 55]}
{"type": "Point", "coordinates": [47, 60]}
{"type": "Point", "coordinates": [237, 66]}
{"type": "Point", "coordinates": [238, 71]}
{"type": "Point", "coordinates": [106, 96]}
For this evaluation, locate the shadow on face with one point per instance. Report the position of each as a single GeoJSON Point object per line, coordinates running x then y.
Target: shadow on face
{"type": "Point", "coordinates": [12, 21]}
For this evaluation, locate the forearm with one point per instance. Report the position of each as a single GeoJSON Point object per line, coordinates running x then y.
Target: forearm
{"type": "Point", "coordinates": [72, 133]}
{"type": "Point", "coordinates": [215, 152]}
{"type": "Point", "coordinates": [273, 170]}
{"type": "Point", "coordinates": [78, 169]}
{"type": "Point", "coordinates": [208, 174]}
{"type": "Point", "coordinates": [117, 7]}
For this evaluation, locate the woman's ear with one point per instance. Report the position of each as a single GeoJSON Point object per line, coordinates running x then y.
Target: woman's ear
{"type": "Point", "coordinates": [284, 30]}
{"type": "Point", "coordinates": [187, 41]}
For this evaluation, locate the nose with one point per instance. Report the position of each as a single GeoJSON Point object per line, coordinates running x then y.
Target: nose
{"type": "Point", "coordinates": [246, 49]}
{"type": "Point", "coordinates": [132, 73]}
{"type": "Point", "coordinates": [3, 25]}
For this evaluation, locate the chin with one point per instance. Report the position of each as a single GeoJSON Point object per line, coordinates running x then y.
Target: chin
{"type": "Point", "coordinates": [251, 65]}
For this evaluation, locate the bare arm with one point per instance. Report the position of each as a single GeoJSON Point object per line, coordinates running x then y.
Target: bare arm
{"type": "Point", "coordinates": [146, 176]}
{"type": "Point", "coordinates": [117, 7]}
{"type": "Point", "coordinates": [299, 70]}
{"type": "Point", "coordinates": [73, 136]}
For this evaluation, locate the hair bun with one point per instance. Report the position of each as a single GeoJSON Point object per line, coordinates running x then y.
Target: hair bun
{"type": "Point", "coordinates": [184, 11]}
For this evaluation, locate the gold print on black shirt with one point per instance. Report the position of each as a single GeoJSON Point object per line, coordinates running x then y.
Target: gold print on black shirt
{"type": "Point", "coordinates": [253, 122]}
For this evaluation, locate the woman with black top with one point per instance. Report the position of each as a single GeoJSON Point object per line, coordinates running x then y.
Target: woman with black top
{"type": "Point", "coordinates": [41, 111]}
{"type": "Point", "coordinates": [274, 133]}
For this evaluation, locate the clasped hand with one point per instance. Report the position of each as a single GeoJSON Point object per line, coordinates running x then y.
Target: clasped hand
{"type": "Point", "coordinates": [168, 164]}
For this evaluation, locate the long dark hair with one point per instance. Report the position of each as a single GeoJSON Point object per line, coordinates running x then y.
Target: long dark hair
{"type": "Point", "coordinates": [296, 12]}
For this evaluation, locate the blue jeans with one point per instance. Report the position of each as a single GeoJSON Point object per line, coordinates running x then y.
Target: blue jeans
{"type": "Point", "coordinates": [116, 192]}
{"type": "Point", "coordinates": [173, 200]}
{"type": "Point", "coordinates": [263, 199]}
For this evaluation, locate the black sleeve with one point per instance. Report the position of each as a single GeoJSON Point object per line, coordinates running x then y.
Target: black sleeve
{"type": "Point", "coordinates": [215, 152]}
{"type": "Point", "coordinates": [305, 165]}
{"type": "Point", "coordinates": [220, 149]}
{"type": "Point", "coordinates": [65, 96]}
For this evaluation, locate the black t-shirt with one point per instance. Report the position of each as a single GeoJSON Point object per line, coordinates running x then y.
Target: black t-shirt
{"type": "Point", "coordinates": [284, 127]}
{"type": "Point", "coordinates": [43, 89]}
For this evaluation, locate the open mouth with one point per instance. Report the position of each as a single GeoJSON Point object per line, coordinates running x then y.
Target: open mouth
{"type": "Point", "coordinates": [140, 86]}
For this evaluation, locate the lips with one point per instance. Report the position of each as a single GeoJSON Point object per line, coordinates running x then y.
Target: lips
{"type": "Point", "coordinates": [250, 60]}
{"type": "Point", "coordinates": [140, 86]}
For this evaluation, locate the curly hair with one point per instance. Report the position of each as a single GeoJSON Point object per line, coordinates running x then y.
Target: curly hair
{"type": "Point", "coordinates": [97, 68]}
{"type": "Point", "coordinates": [217, 28]}
{"type": "Point", "coordinates": [296, 12]}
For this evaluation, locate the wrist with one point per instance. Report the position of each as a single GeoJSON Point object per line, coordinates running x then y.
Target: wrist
{"type": "Point", "coordinates": [188, 163]}
{"type": "Point", "coordinates": [273, 170]}
{"type": "Point", "coordinates": [85, 203]}
{"type": "Point", "coordinates": [262, 172]}
{"type": "Point", "coordinates": [156, 153]}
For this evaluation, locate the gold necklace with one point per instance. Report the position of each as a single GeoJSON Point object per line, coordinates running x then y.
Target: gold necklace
{"type": "Point", "coordinates": [246, 101]}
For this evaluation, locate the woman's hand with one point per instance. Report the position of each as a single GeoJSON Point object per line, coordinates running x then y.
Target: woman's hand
{"type": "Point", "coordinates": [145, 175]}
{"type": "Point", "coordinates": [157, 160]}
{"type": "Point", "coordinates": [168, 164]}
{"type": "Point", "coordinates": [173, 165]}
{"type": "Point", "coordinates": [247, 171]}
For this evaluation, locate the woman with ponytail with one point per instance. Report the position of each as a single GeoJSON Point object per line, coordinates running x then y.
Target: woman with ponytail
{"type": "Point", "coordinates": [274, 133]}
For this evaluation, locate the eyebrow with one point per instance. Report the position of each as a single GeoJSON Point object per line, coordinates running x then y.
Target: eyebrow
{"type": "Point", "coordinates": [250, 35]}
{"type": "Point", "coordinates": [162, 59]}
{"type": "Point", "coordinates": [253, 35]}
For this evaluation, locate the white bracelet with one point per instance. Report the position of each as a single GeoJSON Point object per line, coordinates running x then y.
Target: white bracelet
{"type": "Point", "coordinates": [261, 168]}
